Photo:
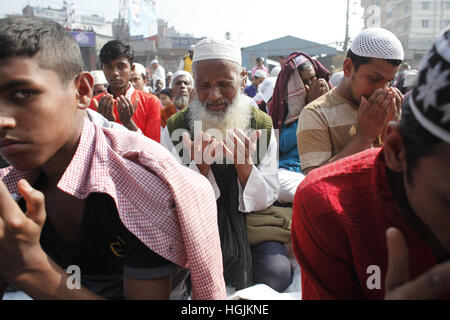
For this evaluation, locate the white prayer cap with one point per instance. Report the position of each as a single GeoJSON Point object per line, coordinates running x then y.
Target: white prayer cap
{"type": "Point", "coordinates": [140, 68]}
{"type": "Point", "coordinates": [208, 49]}
{"type": "Point", "coordinates": [99, 77]}
{"type": "Point", "coordinates": [377, 43]}
{"type": "Point", "coordinates": [410, 78]}
{"type": "Point", "coordinates": [260, 73]}
{"type": "Point", "coordinates": [191, 47]}
{"type": "Point", "coordinates": [169, 73]}
{"type": "Point", "coordinates": [336, 78]}
{"type": "Point", "coordinates": [154, 61]}
{"type": "Point", "coordinates": [181, 73]}
{"type": "Point", "coordinates": [275, 71]}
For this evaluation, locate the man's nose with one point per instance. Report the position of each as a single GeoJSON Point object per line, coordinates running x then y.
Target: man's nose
{"type": "Point", "coordinates": [115, 71]}
{"type": "Point", "coordinates": [214, 93]}
{"type": "Point", "coordinates": [7, 122]}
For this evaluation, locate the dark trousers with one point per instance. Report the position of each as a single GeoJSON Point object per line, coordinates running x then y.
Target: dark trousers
{"type": "Point", "coordinates": [271, 265]}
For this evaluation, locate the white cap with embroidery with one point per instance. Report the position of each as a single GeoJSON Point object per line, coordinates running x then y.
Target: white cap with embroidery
{"type": "Point", "coordinates": [99, 77]}
{"type": "Point", "coordinates": [140, 68]}
{"type": "Point", "coordinates": [377, 43]}
{"type": "Point", "coordinates": [208, 49]}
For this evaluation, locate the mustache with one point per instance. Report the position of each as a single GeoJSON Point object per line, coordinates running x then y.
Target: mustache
{"type": "Point", "coordinates": [208, 103]}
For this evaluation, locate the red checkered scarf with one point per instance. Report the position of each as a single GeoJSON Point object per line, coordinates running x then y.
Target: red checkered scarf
{"type": "Point", "coordinates": [167, 206]}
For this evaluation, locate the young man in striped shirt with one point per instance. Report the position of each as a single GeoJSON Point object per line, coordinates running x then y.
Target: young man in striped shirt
{"type": "Point", "coordinates": [351, 117]}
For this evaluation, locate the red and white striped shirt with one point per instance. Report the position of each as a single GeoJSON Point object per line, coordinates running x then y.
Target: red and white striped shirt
{"type": "Point", "coordinates": [167, 206]}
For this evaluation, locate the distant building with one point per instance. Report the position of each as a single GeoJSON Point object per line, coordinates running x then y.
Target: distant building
{"type": "Point", "coordinates": [284, 47]}
{"type": "Point", "coordinates": [416, 23]}
{"type": "Point", "coordinates": [90, 31]}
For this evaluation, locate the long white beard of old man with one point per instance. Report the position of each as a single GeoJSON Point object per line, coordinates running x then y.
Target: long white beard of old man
{"type": "Point", "coordinates": [235, 116]}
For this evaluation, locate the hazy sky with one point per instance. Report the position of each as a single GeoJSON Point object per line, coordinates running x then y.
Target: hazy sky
{"type": "Point", "coordinates": [248, 21]}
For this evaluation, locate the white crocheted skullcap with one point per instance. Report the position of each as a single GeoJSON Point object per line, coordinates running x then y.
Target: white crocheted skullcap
{"type": "Point", "coordinates": [139, 68]}
{"type": "Point", "coordinates": [99, 77]}
{"type": "Point", "coordinates": [377, 43]}
{"type": "Point", "coordinates": [208, 49]}
{"type": "Point", "coordinates": [181, 73]}
{"type": "Point", "coordinates": [260, 73]}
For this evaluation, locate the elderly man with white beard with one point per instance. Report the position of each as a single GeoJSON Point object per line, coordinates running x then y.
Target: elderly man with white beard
{"type": "Point", "coordinates": [233, 144]}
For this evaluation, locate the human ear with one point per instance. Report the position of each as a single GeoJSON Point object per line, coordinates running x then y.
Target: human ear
{"type": "Point", "coordinates": [347, 67]}
{"type": "Point", "coordinates": [394, 151]}
{"type": "Point", "coordinates": [84, 85]}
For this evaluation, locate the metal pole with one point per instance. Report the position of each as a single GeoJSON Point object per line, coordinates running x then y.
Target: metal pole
{"type": "Point", "coordinates": [346, 27]}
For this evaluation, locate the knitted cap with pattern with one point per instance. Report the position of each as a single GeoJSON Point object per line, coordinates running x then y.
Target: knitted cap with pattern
{"type": "Point", "coordinates": [377, 43]}
{"type": "Point", "coordinates": [430, 97]}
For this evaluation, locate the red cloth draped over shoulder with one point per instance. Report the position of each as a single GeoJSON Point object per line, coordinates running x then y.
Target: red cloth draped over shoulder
{"type": "Point", "coordinates": [278, 105]}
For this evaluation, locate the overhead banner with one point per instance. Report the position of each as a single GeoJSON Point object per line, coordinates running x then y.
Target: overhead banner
{"type": "Point", "coordinates": [84, 39]}
{"type": "Point", "coordinates": [143, 22]}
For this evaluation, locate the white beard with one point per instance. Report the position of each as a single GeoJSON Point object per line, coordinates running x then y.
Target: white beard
{"type": "Point", "coordinates": [236, 116]}
{"type": "Point", "coordinates": [181, 102]}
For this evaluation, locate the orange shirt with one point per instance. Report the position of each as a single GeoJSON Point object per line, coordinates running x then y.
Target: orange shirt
{"type": "Point", "coordinates": [166, 113]}
{"type": "Point", "coordinates": [147, 115]}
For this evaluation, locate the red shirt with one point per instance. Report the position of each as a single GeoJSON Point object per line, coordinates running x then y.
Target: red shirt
{"type": "Point", "coordinates": [147, 116]}
{"type": "Point", "coordinates": [340, 216]}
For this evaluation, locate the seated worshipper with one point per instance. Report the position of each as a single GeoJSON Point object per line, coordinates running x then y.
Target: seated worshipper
{"type": "Point", "coordinates": [259, 66]}
{"type": "Point", "coordinates": [182, 85]}
{"type": "Point", "coordinates": [226, 130]}
{"type": "Point", "coordinates": [109, 203]}
{"type": "Point", "coordinates": [336, 78]}
{"type": "Point", "coordinates": [410, 79]}
{"type": "Point", "coordinates": [376, 224]}
{"type": "Point", "coordinates": [275, 71]}
{"type": "Point", "coordinates": [123, 103]}
{"type": "Point", "coordinates": [353, 116]}
{"type": "Point", "coordinates": [166, 97]}
{"type": "Point", "coordinates": [100, 82]}
{"type": "Point", "coordinates": [158, 86]}
{"type": "Point", "coordinates": [158, 72]}
{"type": "Point", "coordinates": [301, 80]}
{"type": "Point", "coordinates": [139, 77]}
{"type": "Point", "coordinates": [400, 77]}
{"type": "Point", "coordinates": [265, 93]}
{"type": "Point", "coordinates": [252, 89]}
{"type": "Point", "coordinates": [169, 76]}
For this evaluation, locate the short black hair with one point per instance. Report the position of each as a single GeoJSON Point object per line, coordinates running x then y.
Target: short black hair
{"type": "Point", "coordinates": [168, 92]}
{"type": "Point", "coordinates": [417, 141]}
{"type": "Point", "coordinates": [116, 49]}
{"type": "Point", "coordinates": [47, 40]}
{"type": "Point", "coordinates": [359, 60]}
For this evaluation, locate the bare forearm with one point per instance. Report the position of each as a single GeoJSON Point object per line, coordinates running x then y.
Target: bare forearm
{"type": "Point", "coordinates": [243, 172]}
{"type": "Point", "coordinates": [49, 282]}
{"type": "Point", "coordinates": [356, 144]}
